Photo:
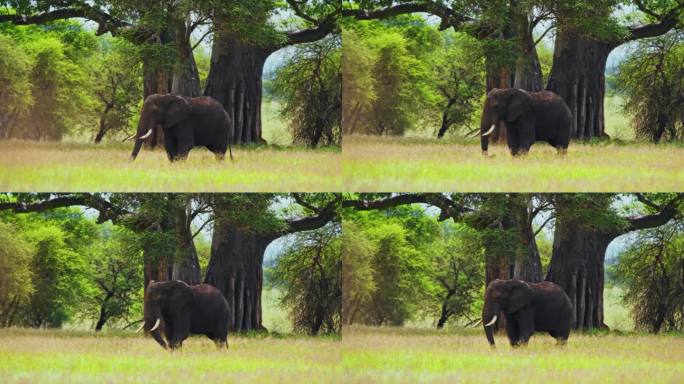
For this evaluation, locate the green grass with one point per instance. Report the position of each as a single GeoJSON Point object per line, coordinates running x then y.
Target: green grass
{"type": "Point", "coordinates": [57, 167]}
{"type": "Point", "coordinates": [382, 164]}
{"type": "Point", "coordinates": [40, 356]}
{"type": "Point", "coordinates": [460, 356]}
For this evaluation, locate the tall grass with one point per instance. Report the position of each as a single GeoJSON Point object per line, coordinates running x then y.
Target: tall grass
{"type": "Point", "coordinates": [56, 167]}
{"type": "Point", "coordinates": [43, 356]}
{"type": "Point", "coordinates": [408, 356]}
{"type": "Point", "coordinates": [382, 164]}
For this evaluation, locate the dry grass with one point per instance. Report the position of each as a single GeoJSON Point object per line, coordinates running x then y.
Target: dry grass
{"type": "Point", "coordinates": [380, 164]}
{"type": "Point", "coordinates": [409, 356]}
{"type": "Point", "coordinates": [63, 356]}
{"type": "Point", "coordinates": [57, 167]}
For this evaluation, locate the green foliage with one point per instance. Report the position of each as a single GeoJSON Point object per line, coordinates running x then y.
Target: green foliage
{"type": "Point", "coordinates": [653, 83]}
{"type": "Point", "coordinates": [15, 87]}
{"type": "Point", "coordinates": [16, 285]}
{"type": "Point", "coordinates": [405, 75]}
{"type": "Point", "coordinates": [652, 273]}
{"type": "Point", "coordinates": [308, 275]}
{"type": "Point", "coordinates": [309, 85]}
{"type": "Point", "coordinates": [357, 270]}
{"type": "Point", "coordinates": [457, 273]}
{"type": "Point", "coordinates": [116, 278]}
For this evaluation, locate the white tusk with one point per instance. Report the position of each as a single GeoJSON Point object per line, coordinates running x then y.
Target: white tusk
{"type": "Point", "coordinates": [476, 324]}
{"type": "Point", "coordinates": [141, 327]}
{"type": "Point", "coordinates": [156, 325]}
{"type": "Point", "coordinates": [146, 135]}
{"type": "Point", "coordinates": [492, 322]}
{"type": "Point", "coordinates": [490, 130]}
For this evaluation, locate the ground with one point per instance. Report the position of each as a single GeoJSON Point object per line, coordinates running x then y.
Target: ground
{"type": "Point", "coordinates": [46, 356]}
{"type": "Point", "coordinates": [382, 164]}
{"type": "Point", "coordinates": [67, 167]}
{"type": "Point", "coordinates": [463, 356]}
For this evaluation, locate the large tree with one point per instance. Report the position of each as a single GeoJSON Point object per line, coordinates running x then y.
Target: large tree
{"type": "Point", "coordinates": [586, 34]}
{"type": "Point", "coordinates": [585, 226]}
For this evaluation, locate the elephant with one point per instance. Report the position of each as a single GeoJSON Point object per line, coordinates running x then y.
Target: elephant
{"type": "Point", "coordinates": [529, 117]}
{"type": "Point", "coordinates": [528, 307]}
{"type": "Point", "coordinates": [187, 122]}
{"type": "Point", "coordinates": [180, 309]}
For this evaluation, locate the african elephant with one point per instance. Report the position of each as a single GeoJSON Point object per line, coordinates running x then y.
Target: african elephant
{"type": "Point", "coordinates": [180, 309]}
{"type": "Point", "coordinates": [187, 122]}
{"type": "Point", "coordinates": [528, 307]}
{"type": "Point", "coordinates": [529, 117]}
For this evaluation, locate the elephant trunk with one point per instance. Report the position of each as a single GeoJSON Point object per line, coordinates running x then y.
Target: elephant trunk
{"type": "Point", "coordinates": [136, 148]}
{"type": "Point", "coordinates": [489, 316]}
{"type": "Point", "coordinates": [154, 322]}
{"type": "Point", "coordinates": [146, 127]}
{"type": "Point", "coordinates": [487, 128]}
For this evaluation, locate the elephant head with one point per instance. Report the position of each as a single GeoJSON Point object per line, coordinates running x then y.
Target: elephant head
{"type": "Point", "coordinates": [164, 299]}
{"type": "Point", "coordinates": [502, 106]}
{"type": "Point", "coordinates": [503, 295]}
{"type": "Point", "coordinates": [158, 112]}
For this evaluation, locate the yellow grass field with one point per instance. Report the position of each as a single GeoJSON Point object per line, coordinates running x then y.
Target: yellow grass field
{"type": "Point", "coordinates": [381, 164]}
{"type": "Point", "coordinates": [386, 355]}
{"type": "Point", "coordinates": [68, 167]}
{"type": "Point", "coordinates": [45, 356]}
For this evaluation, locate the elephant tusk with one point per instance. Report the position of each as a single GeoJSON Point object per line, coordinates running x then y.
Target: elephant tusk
{"type": "Point", "coordinates": [490, 130]}
{"type": "Point", "coordinates": [156, 325]}
{"type": "Point", "coordinates": [476, 324]}
{"type": "Point", "coordinates": [141, 327]}
{"type": "Point", "coordinates": [149, 132]}
{"type": "Point", "coordinates": [492, 322]}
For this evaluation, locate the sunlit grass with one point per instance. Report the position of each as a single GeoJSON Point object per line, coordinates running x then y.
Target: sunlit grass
{"type": "Point", "coordinates": [63, 356]}
{"type": "Point", "coordinates": [381, 164]}
{"type": "Point", "coordinates": [409, 356]}
{"type": "Point", "coordinates": [55, 167]}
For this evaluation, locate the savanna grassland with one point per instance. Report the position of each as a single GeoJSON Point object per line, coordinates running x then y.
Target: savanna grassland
{"type": "Point", "coordinates": [57, 167]}
{"type": "Point", "coordinates": [463, 356]}
{"type": "Point", "coordinates": [44, 356]}
{"type": "Point", "coordinates": [380, 164]}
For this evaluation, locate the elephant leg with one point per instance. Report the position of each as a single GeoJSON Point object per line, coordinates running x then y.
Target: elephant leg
{"type": "Point", "coordinates": [512, 139]}
{"type": "Point", "coordinates": [525, 328]}
{"type": "Point", "coordinates": [185, 142]}
{"type": "Point", "coordinates": [181, 329]}
{"type": "Point", "coordinates": [171, 147]}
{"type": "Point", "coordinates": [512, 331]}
{"type": "Point", "coordinates": [526, 135]}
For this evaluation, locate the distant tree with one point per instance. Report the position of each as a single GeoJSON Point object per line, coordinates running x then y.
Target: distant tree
{"type": "Point", "coordinates": [358, 82]}
{"type": "Point", "coordinates": [15, 87]}
{"type": "Point", "coordinates": [458, 272]}
{"type": "Point", "coordinates": [653, 82]}
{"type": "Point", "coordinates": [16, 278]}
{"type": "Point", "coordinates": [308, 274]}
{"type": "Point", "coordinates": [115, 272]}
{"type": "Point", "coordinates": [357, 271]}
{"type": "Point", "coordinates": [652, 272]}
{"type": "Point", "coordinates": [309, 84]}
{"type": "Point", "coordinates": [117, 87]}
{"type": "Point", "coordinates": [459, 81]}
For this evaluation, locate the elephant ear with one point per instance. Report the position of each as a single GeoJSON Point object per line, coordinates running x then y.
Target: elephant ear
{"type": "Point", "coordinates": [520, 295]}
{"type": "Point", "coordinates": [519, 104]}
{"type": "Point", "coordinates": [180, 297]}
{"type": "Point", "coordinates": [177, 109]}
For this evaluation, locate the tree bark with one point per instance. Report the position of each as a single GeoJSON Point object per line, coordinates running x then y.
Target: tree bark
{"type": "Point", "coordinates": [235, 80]}
{"type": "Point", "coordinates": [185, 79]}
{"type": "Point", "coordinates": [528, 71]}
{"type": "Point", "coordinates": [578, 76]}
{"type": "Point", "coordinates": [235, 268]}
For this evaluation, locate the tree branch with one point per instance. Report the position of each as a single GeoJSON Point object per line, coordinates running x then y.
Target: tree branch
{"type": "Point", "coordinates": [666, 213]}
{"type": "Point", "coordinates": [107, 210]}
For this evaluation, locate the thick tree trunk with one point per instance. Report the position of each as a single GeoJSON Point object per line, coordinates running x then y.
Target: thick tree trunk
{"type": "Point", "coordinates": [528, 72]}
{"type": "Point", "coordinates": [527, 263]}
{"type": "Point", "coordinates": [155, 80]}
{"type": "Point", "coordinates": [185, 80]}
{"type": "Point", "coordinates": [578, 75]}
{"type": "Point", "coordinates": [235, 80]}
{"type": "Point", "coordinates": [236, 269]}
{"type": "Point", "coordinates": [577, 266]}
{"type": "Point", "coordinates": [186, 262]}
